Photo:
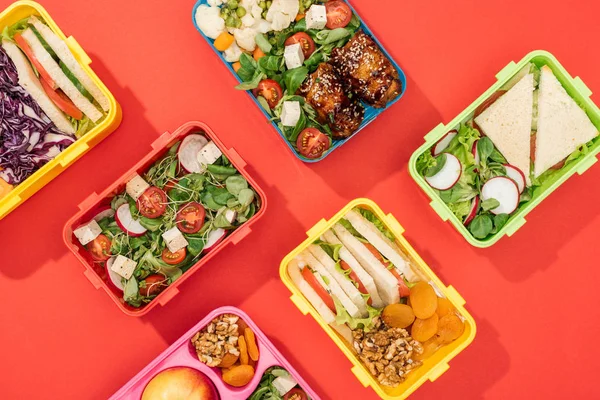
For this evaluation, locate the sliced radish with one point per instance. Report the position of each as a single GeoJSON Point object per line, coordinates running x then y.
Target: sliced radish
{"type": "Point", "coordinates": [472, 211]}
{"type": "Point", "coordinates": [126, 222]}
{"type": "Point", "coordinates": [188, 152]}
{"type": "Point", "coordinates": [443, 143]}
{"type": "Point", "coordinates": [448, 175]}
{"type": "Point", "coordinates": [475, 153]}
{"type": "Point", "coordinates": [230, 215]}
{"type": "Point", "coordinates": [104, 212]}
{"type": "Point", "coordinates": [114, 279]}
{"type": "Point", "coordinates": [214, 238]}
{"type": "Point", "coordinates": [504, 190]}
{"type": "Point", "coordinates": [516, 175]}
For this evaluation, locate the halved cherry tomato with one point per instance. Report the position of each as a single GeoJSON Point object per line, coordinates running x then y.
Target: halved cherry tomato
{"type": "Point", "coordinates": [100, 248]}
{"type": "Point", "coordinates": [295, 394]}
{"type": "Point", "coordinates": [306, 43]}
{"type": "Point", "coordinates": [29, 53]}
{"type": "Point", "coordinates": [270, 90]}
{"type": "Point", "coordinates": [403, 289]}
{"type": "Point", "coordinates": [152, 203]}
{"type": "Point", "coordinates": [354, 277]}
{"type": "Point", "coordinates": [153, 285]}
{"type": "Point", "coordinates": [172, 184]}
{"type": "Point", "coordinates": [317, 287]}
{"type": "Point", "coordinates": [173, 258]}
{"type": "Point", "coordinates": [62, 101]}
{"type": "Point", "coordinates": [339, 14]}
{"type": "Point", "coordinates": [190, 217]}
{"type": "Point", "coordinates": [312, 143]}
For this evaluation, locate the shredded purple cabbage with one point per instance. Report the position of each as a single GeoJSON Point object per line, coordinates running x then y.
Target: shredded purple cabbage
{"type": "Point", "coordinates": [28, 138]}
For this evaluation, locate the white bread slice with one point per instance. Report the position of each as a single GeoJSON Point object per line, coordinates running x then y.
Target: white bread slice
{"type": "Point", "coordinates": [563, 126]}
{"type": "Point", "coordinates": [59, 76]}
{"type": "Point", "coordinates": [386, 282]}
{"type": "Point", "coordinates": [345, 283]}
{"type": "Point", "coordinates": [62, 51]}
{"type": "Point", "coordinates": [294, 269]}
{"type": "Point", "coordinates": [507, 122]}
{"type": "Point", "coordinates": [384, 245]}
{"type": "Point", "coordinates": [365, 278]}
{"type": "Point", "coordinates": [32, 85]}
{"type": "Point", "coordinates": [336, 290]}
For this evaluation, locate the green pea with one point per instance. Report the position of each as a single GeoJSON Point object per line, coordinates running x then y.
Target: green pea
{"type": "Point", "coordinates": [262, 5]}
{"type": "Point", "coordinates": [241, 11]}
{"type": "Point", "coordinates": [230, 22]}
{"type": "Point", "coordinates": [269, 2]}
{"type": "Point", "coordinates": [238, 23]}
{"type": "Point", "coordinates": [225, 13]}
{"type": "Point", "coordinates": [232, 4]}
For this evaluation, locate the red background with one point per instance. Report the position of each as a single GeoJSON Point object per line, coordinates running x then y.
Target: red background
{"type": "Point", "coordinates": [534, 295]}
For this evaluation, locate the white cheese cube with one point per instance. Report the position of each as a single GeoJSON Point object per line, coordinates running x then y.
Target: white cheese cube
{"type": "Point", "coordinates": [124, 266]}
{"type": "Point", "coordinates": [284, 384]}
{"type": "Point", "coordinates": [316, 17]}
{"type": "Point", "coordinates": [174, 239]}
{"type": "Point", "coordinates": [293, 55]}
{"type": "Point", "coordinates": [209, 153]}
{"type": "Point", "coordinates": [88, 232]}
{"type": "Point", "coordinates": [136, 186]}
{"type": "Point", "coordinates": [290, 113]}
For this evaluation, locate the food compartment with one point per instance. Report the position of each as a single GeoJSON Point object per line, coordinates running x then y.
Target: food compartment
{"type": "Point", "coordinates": [343, 332]}
{"type": "Point", "coordinates": [183, 354]}
{"type": "Point", "coordinates": [97, 271]}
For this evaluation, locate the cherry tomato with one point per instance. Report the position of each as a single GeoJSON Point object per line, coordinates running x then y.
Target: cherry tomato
{"type": "Point", "coordinates": [61, 100]}
{"type": "Point", "coordinates": [172, 184]}
{"type": "Point", "coordinates": [190, 217]}
{"type": "Point", "coordinates": [339, 14]}
{"type": "Point", "coordinates": [270, 90]}
{"type": "Point", "coordinates": [306, 43]}
{"type": "Point", "coordinates": [403, 289]}
{"type": "Point", "coordinates": [295, 394]}
{"type": "Point", "coordinates": [312, 143]}
{"type": "Point", "coordinates": [100, 248]}
{"type": "Point", "coordinates": [173, 258]}
{"type": "Point", "coordinates": [355, 278]}
{"type": "Point", "coordinates": [153, 285]}
{"type": "Point", "coordinates": [152, 203]}
{"type": "Point", "coordinates": [317, 287]}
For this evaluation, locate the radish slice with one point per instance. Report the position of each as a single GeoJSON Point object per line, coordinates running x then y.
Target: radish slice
{"type": "Point", "coordinates": [126, 222]}
{"type": "Point", "coordinates": [504, 190]}
{"type": "Point", "coordinates": [476, 153]}
{"type": "Point", "coordinates": [188, 152]}
{"type": "Point", "coordinates": [448, 175]}
{"type": "Point", "coordinates": [113, 278]}
{"type": "Point", "coordinates": [443, 143]}
{"type": "Point", "coordinates": [516, 175]}
{"type": "Point", "coordinates": [230, 216]}
{"type": "Point", "coordinates": [214, 238]}
{"type": "Point", "coordinates": [104, 212]}
{"type": "Point", "coordinates": [473, 211]}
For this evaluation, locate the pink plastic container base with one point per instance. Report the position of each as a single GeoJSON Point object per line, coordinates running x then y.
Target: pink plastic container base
{"type": "Point", "coordinates": [182, 354]}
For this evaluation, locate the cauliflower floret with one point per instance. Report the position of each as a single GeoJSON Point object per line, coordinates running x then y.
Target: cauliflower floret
{"type": "Point", "coordinates": [209, 21]}
{"type": "Point", "coordinates": [282, 13]}
{"type": "Point", "coordinates": [256, 11]}
{"type": "Point", "coordinates": [248, 20]}
{"type": "Point", "coordinates": [233, 53]}
{"type": "Point", "coordinates": [262, 26]}
{"type": "Point", "coordinates": [245, 38]}
{"type": "Point", "coordinates": [215, 3]}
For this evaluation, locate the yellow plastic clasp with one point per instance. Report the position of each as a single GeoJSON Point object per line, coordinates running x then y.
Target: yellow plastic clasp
{"type": "Point", "coordinates": [394, 225]}
{"type": "Point", "coordinates": [317, 229]}
{"type": "Point", "coordinates": [438, 371]}
{"type": "Point", "coordinates": [363, 377]}
{"type": "Point", "coordinates": [75, 151]}
{"type": "Point", "coordinates": [300, 303]}
{"type": "Point", "coordinates": [454, 297]}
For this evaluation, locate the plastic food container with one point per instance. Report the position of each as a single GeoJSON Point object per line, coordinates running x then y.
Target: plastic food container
{"type": "Point", "coordinates": [21, 192]}
{"type": "Point", "coordinates": [89, 207]}
{"type": "Point", "coordinates": [370, 112]}
{"type": "Point", "coordinates": [574, 87]}
{"type": "Point", "coordinates": [181, 353]}
{"type": "Point", "coordinates": [434, 366]}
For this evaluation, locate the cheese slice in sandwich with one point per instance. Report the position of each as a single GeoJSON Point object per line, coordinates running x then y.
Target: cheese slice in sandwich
{"type": "Point", "coordinates": [507, 122]}
{"type": "Point", "coordinates": [563, 126]}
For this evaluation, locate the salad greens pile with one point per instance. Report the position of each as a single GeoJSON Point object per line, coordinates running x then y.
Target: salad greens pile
{"type": "Point", "coordinates": [266, 390]}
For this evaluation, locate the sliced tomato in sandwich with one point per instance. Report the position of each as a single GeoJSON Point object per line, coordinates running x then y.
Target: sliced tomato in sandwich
{"type": "Point", "coordinates": [361, 287]}
{"type": "Point", "coordinates": [62, 101]}
{"type": "Point", "coordinates": [314, 283]}
{"type": "Point", "coordinates": [29, 53]}
{"type": "Point", "coordinates": [403, 289]}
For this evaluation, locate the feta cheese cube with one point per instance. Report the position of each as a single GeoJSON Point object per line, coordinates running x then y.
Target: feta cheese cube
{"type": "Point", "coordinates": [174, 239]}
{"type": "Point", "coordinates": [284, 384]}
{"type": "Point", "coordinates": [316, 17]}
{"type": "Point", "coordinates": [293, 55]}
{"type": "Point", "coordinates": [88, 232]}
{"type": "Point", "coordinates": [136, 186]}
{"type": "Point", "coordinates": [124, 266]}
{"type": "Point", "coordinates": [209, 154]}
{"type": "Point", "coordinates": [290, 113]}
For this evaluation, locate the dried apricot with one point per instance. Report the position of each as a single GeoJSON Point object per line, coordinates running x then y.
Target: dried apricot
{"type": "Point", "coordinates": [243, 350]}
{"type": "Point", "coordinates": [239, 376]}
{"type": "Point", "coordinates": [444, 307]}
{"type": "Point", "coordinates": [228, 360]}
{"type": "Point", "coordinates": [450, 327]}
{"type": "Point", "coordinates": [429, 347]}
{"type": "Point", "coordinates": [423, 300]}
{"type": "Point", "coordinates": [424, 329]}
{"type": "Point", "coordinates": [251, 344]}
{"type": "Point", "coordinates": [398, 315]}
{"type": "Point", "coordinates": [241, 326]}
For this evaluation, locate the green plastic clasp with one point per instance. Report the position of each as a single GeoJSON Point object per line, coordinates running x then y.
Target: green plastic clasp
{"type": "Point", "coordinates": [441, 209]}
{"type": "Point", "coordinates": [581, 87]}
{"type": "Point", "coordinates": [435, 133]}
{"type": "Point", "coordinates": [514, 226]}
{"type": "Point", "coordinates": [586, 163]}
{"type": "Point", "coordinates": [507, 71]}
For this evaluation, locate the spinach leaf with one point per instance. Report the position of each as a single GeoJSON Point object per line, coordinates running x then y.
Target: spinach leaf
{"type": "Point", "coordinates": [499, 221]}
{"type": "Point", "coordinates": [485, 148]}
{"type": "Point", "coordinates": [489, 204]}
{"type": "Point", "coordinates": [252, 84]}
{"type": "Point", "coordinates": [235, 184]}
{"type": "Point", "coordinates": [327, 36]}
{"type": "Point", "coordinates": [436, 166]}
{"type": "Point", "coordinates": [293, 78]}
{"type": "Point", "coordinates": [458, 193]}
{"type": "Point", "coordinates": [246, 197]}
{"type": "Point", "coordinates": [481, 226]}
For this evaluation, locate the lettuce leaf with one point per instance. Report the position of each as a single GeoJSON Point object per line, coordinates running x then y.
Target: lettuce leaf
{"type": "Point", "coordinates": [367, 323]}
{"type": "Point", "coordinates": [333, 250]}
{"type": "Point", "coordinates": [462, 144]}
{"type": "Point", "coordinates": [460, 209]}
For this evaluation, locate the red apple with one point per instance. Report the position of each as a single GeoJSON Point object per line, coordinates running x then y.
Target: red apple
{"type": "Point", "coordinates": [180, 383]}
